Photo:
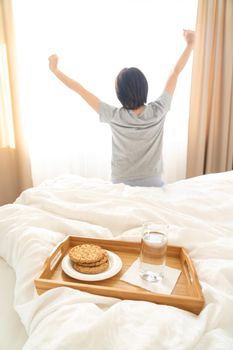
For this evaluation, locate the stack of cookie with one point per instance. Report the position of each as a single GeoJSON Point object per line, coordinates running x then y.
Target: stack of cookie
{"type": "Point", "coordinates": [89, 258]}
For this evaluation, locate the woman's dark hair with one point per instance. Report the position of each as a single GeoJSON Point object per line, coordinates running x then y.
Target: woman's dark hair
{"type": "Point", "coordinates": [131, 88]}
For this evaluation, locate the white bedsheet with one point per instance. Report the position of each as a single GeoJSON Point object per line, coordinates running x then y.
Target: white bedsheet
{"type": "Point", "coordinates": [12, 332]}
{"type": "Point", "coordinates": [200, 212]}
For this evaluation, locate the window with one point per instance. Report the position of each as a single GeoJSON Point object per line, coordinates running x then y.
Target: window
{"type": "Point", "coordinates": [95, 39]}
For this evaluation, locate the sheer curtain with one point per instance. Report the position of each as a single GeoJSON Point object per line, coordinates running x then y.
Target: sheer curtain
{"type": "Point", "coordinates": [94, 41]}
{"type": "Point", "coordinates": [15, 174]}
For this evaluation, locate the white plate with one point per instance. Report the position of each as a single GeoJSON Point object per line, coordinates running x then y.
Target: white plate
{"type": "Point", "coordinates": [115, 265]}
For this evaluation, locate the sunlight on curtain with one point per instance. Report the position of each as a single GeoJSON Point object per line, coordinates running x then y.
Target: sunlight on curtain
{"type": "Point", "coordinates": [95, 40]}
{"type": "Point", "coordinates": [6, 121]}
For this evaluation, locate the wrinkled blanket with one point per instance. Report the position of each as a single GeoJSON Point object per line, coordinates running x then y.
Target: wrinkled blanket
{"type": "Point", "coordinates": [199, 212]}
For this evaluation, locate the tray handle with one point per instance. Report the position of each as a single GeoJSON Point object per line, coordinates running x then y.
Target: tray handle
{"type": "Point", "coordinates": [190, 273]}
{"type": "Point", "coordinates": [56, 255]}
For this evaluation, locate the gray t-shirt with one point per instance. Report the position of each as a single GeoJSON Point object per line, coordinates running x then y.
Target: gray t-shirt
{"type": "Point", "coordinates": [136, 139]}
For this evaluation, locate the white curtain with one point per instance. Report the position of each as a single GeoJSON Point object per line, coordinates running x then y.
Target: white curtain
{"type": "Point", "coordinates": [95, 39]}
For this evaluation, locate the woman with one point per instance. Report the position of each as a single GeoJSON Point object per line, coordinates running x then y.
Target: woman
{"type": "Point", "coordinates": [137, 127]}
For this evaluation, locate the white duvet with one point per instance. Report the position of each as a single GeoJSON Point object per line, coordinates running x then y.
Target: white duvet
{"type": "Point", "coordinates": [200, 214]}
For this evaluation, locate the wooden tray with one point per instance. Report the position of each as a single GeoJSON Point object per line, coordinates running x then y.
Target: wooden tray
{"type": "Point", "coordinates": [186, 294]}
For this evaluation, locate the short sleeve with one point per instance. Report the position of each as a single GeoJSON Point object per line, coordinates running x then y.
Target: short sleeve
{"type": "Point", "coordinates": [107, 112]}
{"type": "Point", "coordinates": [163, 104]}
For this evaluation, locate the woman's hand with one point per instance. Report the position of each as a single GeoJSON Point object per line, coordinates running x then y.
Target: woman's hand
{"type": "Point", "coordinates": [91, 99]}
{"type": "Point", "coordinates": [53, 62]}
{"type": "Point", "coordinates": [189, 36]}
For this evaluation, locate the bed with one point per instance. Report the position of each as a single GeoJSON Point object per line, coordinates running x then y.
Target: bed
{"type": "Point", "coordinates": [199, 212]}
